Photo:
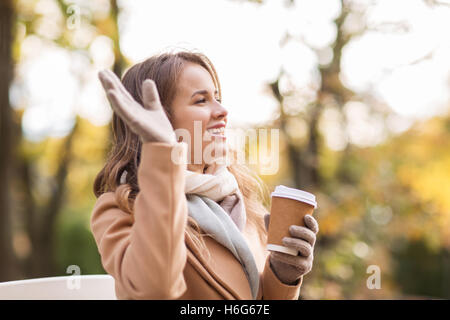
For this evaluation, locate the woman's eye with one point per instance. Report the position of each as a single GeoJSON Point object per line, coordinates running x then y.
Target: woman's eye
{"type": "Point", "coordinates": [204, 100]}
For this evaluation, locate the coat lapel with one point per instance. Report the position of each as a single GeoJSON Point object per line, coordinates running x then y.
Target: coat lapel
{"type": "Point", "coordinates": [222, 270]}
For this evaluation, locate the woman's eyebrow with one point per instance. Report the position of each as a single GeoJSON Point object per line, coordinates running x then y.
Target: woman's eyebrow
{"type": "Point", "coordinates": [203, 92]}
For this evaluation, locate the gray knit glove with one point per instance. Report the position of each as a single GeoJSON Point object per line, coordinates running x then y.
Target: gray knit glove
{"type": "Point", "coordinates": [289, 269]}
{"type": "Point", "coordinates": [149, 120]}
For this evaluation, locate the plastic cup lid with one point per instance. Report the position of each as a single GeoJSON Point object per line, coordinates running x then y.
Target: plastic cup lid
{"type": "Point", "coordinates": [295, 194]}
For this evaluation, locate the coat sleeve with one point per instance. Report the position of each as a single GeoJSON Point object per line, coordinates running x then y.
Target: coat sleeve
{"type": "Point", "coordinates": [271, 288]}
{"type": "Point", "coordinates": [146, 253]}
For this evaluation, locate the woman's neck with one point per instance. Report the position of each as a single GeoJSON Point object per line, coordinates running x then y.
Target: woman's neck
{"type": "Point", "coordinates": [199, 168]}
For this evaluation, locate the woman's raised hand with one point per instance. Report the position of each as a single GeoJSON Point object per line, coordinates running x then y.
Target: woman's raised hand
{"type": "Point", "coordinates": [149, 121]}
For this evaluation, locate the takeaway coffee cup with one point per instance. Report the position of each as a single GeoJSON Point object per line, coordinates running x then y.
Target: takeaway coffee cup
{"type": "Point", "coordinates": [289, 206]}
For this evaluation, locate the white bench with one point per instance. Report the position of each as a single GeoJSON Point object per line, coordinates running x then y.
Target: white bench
{"type": "Point", "coordinates": [74, 287]}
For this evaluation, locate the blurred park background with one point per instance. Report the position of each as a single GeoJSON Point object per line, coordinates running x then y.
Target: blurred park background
{"type": "Point", "coordinates": [358, 89]}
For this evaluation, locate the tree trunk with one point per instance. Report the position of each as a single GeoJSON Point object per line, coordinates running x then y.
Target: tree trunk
{"type": "Point", "coordinates": [119, 61]}
{"type": "Point", "coordinates": [304, 160]}
{"type": "Point", "coordinates": [41, 222]}
{"type": "Point", "coordinates": [7, 258]}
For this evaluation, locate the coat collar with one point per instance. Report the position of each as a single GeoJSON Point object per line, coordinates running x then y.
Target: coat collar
{"type": "Point", "coordinates": [223, 271]}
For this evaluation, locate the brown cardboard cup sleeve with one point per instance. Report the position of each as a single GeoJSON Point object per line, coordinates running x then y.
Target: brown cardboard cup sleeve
{"type": "Point", "coordinates": [289, 207]}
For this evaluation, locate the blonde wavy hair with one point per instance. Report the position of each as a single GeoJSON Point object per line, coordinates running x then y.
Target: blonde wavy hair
{"type": "Point", "coordinates": [125, 154]}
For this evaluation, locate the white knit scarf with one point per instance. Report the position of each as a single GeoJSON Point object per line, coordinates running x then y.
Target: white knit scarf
{"type": "Point", "coordinates": [213, 198]}
{"type": "Point", "coordinates": [219, 185]}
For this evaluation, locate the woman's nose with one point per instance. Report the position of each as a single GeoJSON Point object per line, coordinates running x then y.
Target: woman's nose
{"type": "Point", "coordinates": [219, 111]}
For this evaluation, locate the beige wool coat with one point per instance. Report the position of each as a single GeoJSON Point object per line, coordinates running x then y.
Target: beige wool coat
{"type": "Point", "coordinates": [151, 256]}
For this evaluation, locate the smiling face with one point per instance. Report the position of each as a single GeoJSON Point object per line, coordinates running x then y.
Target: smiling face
{"type": "Point", "coordinates": [196, 108]}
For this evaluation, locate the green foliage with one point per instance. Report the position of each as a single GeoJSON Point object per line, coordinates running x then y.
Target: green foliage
{"type": "Point", "coordinates": [386, 206]}
{"type": "Point", "coordinates": [423, 271]}
{"type": "Point", "coordinates": [75, 244]}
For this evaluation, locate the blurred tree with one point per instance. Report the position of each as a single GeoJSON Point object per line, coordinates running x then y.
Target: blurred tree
{"type": "Point", "coordinates": [41, 214]}
{"type": "Point", "coordinates": [7, 266]}
{"type": "Point", "coordinates": [119, 60]}
{"type": "Point", "coordinates": [304, 158]}
{"type": "Point", "coordinates": [363, 206]}
{"type": "Point", "coordinates": [41, 197]}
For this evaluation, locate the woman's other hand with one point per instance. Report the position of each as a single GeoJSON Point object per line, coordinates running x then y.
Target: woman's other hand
{"type": "Point", "coordinates": [149, 121]}
{"type": "Point", "coordinates": [290, 268]}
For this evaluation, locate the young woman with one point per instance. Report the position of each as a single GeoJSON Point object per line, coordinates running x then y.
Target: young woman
{"type": "Point", "coordinates": [171, 225]}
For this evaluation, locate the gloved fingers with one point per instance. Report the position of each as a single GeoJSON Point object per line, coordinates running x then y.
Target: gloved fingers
{"type": "Point", "coordinates": [311, 223]}
{"type": "Point", "coordinates": [117, 105]}
{"type": "Point", "coordinates": [266, 221]}
{"type": "Point", "coordinates": [150, 95]}
{"type": "Point", "coordinates": [303, 233]}
{"type": "Point", "coordinates": [301, 264]}
{"type": "Point", "coordinates": [284, 257]}
{"type": "Point", "coordinates": [303, 247]}
{"type": "Point", "coordinates": [127, 110]}
{"type": "Point", "coordinates": [304, 266]}
{"type": "Point", "coordinates": [105, 80]}
{"type": "Point", "coordinates": [286, 273]}
{"type": "Point", "coordinates": [114, 83]}
{"type": "Point", "coordinates": [131, 113]}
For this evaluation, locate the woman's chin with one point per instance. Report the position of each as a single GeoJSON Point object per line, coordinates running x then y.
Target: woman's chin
{"type": "Point", "coordinates": [219, 156]}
